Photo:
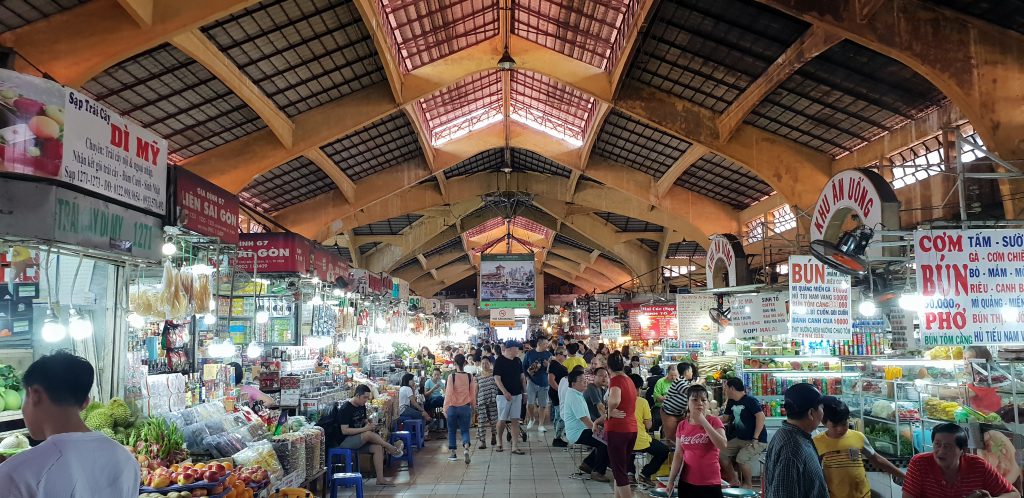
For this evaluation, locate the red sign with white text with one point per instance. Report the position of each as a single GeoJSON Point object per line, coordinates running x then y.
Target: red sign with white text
{"type": "Point", "coordinates": [275, 252]}
{"type": "Point", "coordinates": [328, 265]}
{"type": "Point", "coordinates": [650, 322]}
{"type": "Point", "coordinates": [205, 208]}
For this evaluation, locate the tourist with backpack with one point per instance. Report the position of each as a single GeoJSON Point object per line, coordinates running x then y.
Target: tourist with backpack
{"type": "Point", "coordinates": [459, 403]}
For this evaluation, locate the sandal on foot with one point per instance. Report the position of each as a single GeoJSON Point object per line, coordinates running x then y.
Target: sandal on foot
{"type": "Point", "coordinates": [399, 447]}
{"type": "Point", "coordinates": [518, 451]}
{"type": "Point", "coordinates": [499, 449]}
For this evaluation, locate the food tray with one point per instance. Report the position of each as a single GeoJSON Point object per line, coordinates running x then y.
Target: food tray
{"type": "Point", "coordinates": [186, 487]}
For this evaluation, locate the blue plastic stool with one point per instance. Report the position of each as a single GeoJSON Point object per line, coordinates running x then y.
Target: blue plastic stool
{"type": "Point", "coordinates": [347, 479]}
{"type": "Point", "coordinates": [739, 493]}
{"type": "Point", "coordinates": [415, 426]}
{"type": "Point", "coordinates": [338, 453]}
{"type": "Point", "coordinates": [405, 436]}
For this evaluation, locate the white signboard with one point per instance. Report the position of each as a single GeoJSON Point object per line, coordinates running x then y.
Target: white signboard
{"type": "Point", "coordinates": [901, 322]}
{"type": "Point", "coordinates": [819, 300]}
{"type": "Point", "coordinates": [859, 192]}
{"type": "Point", "coordinates": [757, 316]}
{"type": "Point", "coordinates": [610, 329]}
{"type": "Point", "coordinates": [692, 313]}
{"type": "Point", "coordinates": [504, 317]}
{"type": "Point", "coordinates": [972, 282]}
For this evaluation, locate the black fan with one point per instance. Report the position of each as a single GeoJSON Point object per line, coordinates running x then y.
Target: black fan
{"type": "Point", "coordinates": [720, 316]}
{"type": "Point", "coordinates": [846, 256]}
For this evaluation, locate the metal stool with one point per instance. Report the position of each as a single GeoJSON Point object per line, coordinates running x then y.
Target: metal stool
{"type": "Point", "coordinates": [347, 479]}
{"type": "Point", "coordinates": [405, 436]}
{"type": "Point", "coordinates": [577, 452]}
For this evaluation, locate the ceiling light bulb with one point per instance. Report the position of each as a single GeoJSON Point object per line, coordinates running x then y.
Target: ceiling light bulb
{"type": "Point", "coordinates": [262, 315]}
{"type": "Point", "coordinates": [209, 319]}
{"type": "Point", "coordinates": [169, 249]}
{"type": "Point", "coordinates": [135, 320]}
{"type": "Point", "coordinates": [253, 350]}
{"type": "Point", "coordinates": [867, 308]}
{"type": "Point", "coordinates": [317, 300]}
{"type": "Point", "coordinates": [565, 319]}
{"type": "Point", "coordinates": [79, 327]}
{"type": "Point", "coordinates": [506, 62]}
{"type": "Point", "coordinates": [315, 280]}
{"type": "Point", "coordinates": [53, 330]}
{"type": "Point", "coordinates": [381, 323]}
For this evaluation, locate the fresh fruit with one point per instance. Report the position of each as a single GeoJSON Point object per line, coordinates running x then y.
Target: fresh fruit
{"type": "Point", "coordinates": [160, 481]}
{"type": "Point", "coordinates": [14, 442]}
{"type": "Point", "coordinates": [12, 400]}
{"type": "Point", "coordinates": [99, 419]}
{"type": "Point", "coordinates": [219, 468]}
{"type": "Point", "coordinates": [27, 107]}
{"type": "Point", "coordinates": [120, 413]}
{"type": "Point", "coordinates": [55, 113]}
{"type": "Point", "coordinates": [185, 478]}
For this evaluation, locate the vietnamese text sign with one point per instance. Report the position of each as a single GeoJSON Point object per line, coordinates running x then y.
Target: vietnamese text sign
{"type": "Point", "coordinates": [694, 322]}
{"type": "Point", "coordinates": [901, 322]}
{"type": "Point", "coordinates": [274, 252]}
{"type": "Point", "coordinates": [756, 316]}
{"type": "Point", "coordinates": [55, 132]}
{"type": "Point", "coordinates": [819, 300]}
{"type": "Point", "coordinates": [610, 329]}
{"type": "Point", "coordinates": [205, 208]}
{"type": "Point", "coordinates": [972, 282]}
{"type": "Point", "coordinates": [507, 281]}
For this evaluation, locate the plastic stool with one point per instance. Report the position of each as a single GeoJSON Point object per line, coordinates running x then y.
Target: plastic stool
{"type": "Point", "coordinates": [338, 453]}
{"type": "Point", "coordinates": [405, 436]}
{"type": "Point", "coordinates": [739, 493]}
{"type": "Point", "coordinates": [347, 479]}
{"type": "Point", "coordinates": [415, 426]}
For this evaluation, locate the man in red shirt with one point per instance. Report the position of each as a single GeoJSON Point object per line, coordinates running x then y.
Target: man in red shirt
{"type": "Point", "coordinates": [949, 472]}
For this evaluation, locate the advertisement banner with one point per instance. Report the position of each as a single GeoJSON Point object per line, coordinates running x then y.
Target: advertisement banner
{"type": "Point", "coordinates": [610, 329]}
{"type": "Point", "coordinates": [504, 317]}
{"type": "Point", "coordinates": [328, 265]}
{"type": "Point", "coordinates": [819, 300]}
{"type": "Point", "coordinates": [972, 282]}
{"type": "Point", "coordinates": [507, 281]}
{"type": "Point", "coordinates": [274, 252]}
{"type": "Point", "coordinates": [47, 212]}
{"type": "Point", "coordinates": [694, 322]}
{"type": "Point", "coordinates": [655, 322]}
{"type": "Point", "coordinates": [205, 208]}
{"type": "Point", "coordinates": [54, 132]}
{"type": "Point", "coordinates": [757, 316]}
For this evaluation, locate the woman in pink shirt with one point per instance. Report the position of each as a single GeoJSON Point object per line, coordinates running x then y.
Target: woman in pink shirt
{"type": "Point", "coordinates": [459, 402]}
{"type": "Point", "coordinates": [699, 439]}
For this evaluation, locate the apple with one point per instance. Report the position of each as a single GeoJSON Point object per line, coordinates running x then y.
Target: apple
{"type": "Point", "coordinates": [161, 481]}
{"type": "Point", "coordinates": [219, 468]}
{"type": "Point", "coordinates": [211, 476]}
{"type": "Point", "coordinates": [185, 479]}
{"type": "Point", "coordinates": [27, 107]}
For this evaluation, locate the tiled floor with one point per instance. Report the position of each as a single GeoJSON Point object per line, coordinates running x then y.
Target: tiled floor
{"type": "Point", "coordinates": [543, 473]}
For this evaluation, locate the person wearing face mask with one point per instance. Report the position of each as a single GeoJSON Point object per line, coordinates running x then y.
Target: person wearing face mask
{"type": "Point", "coordinates": [949, 472]}
{"type": "Point", "coordinates": [791, 467]}
{"type": "Point", "coordinates": [700, 438]}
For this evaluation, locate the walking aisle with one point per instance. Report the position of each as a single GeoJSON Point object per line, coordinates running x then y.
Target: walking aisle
{"type": "Point", "coordinates": [543, 473]}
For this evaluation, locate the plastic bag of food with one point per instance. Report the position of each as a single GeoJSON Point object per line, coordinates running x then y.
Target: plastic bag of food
{"type": "Point", "coordinates": [223, 445]}
{"type": "Point", "coordinates": [195, 437]}
{"type": "Point", "coordinates": [291, 452]}
{"type": "Point", "coordinates": [260, 453]}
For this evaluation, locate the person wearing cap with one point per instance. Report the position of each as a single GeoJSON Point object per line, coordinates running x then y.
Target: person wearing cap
{"type": "Point", "coordinates": [949, 472]}
{"type": "Point", "coordinates": [511, 382]}
{"type": "Point", "coordinates": [792, 468]}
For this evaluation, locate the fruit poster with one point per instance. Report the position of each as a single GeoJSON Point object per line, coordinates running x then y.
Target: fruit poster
{"type": "Point", "coordinates": [819, 300]}
{"type": "Point", "coordinates": [50, 131]}
{"type": "Point", "coordinates": [757, 316]}
{"type": "Point", "coordinates": [694, 321]}
{"type": "Point", "coordinates": [972, 282]}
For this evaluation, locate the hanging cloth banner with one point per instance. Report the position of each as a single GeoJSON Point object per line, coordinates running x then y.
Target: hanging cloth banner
{"type": "Point", "coordinates": [758, 316]}
{"type": "Point", "coordinates": [972, 282]}
{"type": "Point", "coordinates": [694, 323]}
{"type": "Point", "coordinates": [819, 300]}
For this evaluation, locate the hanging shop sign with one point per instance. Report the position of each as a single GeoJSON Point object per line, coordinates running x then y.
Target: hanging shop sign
{"type": "Point", "coordinates": [328, 265]}
{"type": "Point", "coordinates": [855, 192]}
{"type": "Point", "coordinates": [205, 208]}
{"type": "Point", "coordinates": [504, 317]}
{"type": "Point", "coordinates": [726, 262]}
{"type": "Point", "coordinates": [610, 328]}
{"type": "Point", "coordinates": [399, 289]}
{"type": "Point", "coordinates": [656, 321]}
{"type": "Point", "coordinates": [757, 316]}
{"type": "Point", "coordinates": [59, 133]}
{"type": "Point", "coordinates": [273, 252]}
{"type": "Point", "coordinates": [901, 323]}
{"type": "Point", "coordinates": [819, 300]}
{"type": "Point", "coordinates": [694, 323]}
{"type": "Point", "coordinates": [507, 281]}
{"type": "Point", "coordinates": [972, 282]}
{"type": "Point", "coordinates": [47, 212]}
{"type": "Point", "coordinates": [369, 283]}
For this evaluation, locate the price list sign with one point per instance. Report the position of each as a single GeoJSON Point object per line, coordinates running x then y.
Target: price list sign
{"type": "Point", "coordinates": [819, 300]}
{"type": "Point", "coordinates": [972, 282]}
{"type": "Point", "coordinates": [757, 316]}
{"type": "Point", "coordinates": [694, 322]}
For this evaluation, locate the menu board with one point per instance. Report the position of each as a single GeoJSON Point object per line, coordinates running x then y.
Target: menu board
{"type": "Point", "coordinates": [756, 316]}
{"type": "Point", "coordinates": [972, 282]}
{"type": "Point", "coordinates": [819, 300]}
{"type": "Point", "coordinates": [610, 329]}
{"type": "Point", "coordinates": [693, 321]}
{"type": "Point", "coordinates": [901, 322]}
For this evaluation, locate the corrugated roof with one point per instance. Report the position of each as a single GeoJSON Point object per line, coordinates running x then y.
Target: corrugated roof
{"type": "Point", "coordinates": [288, 184]}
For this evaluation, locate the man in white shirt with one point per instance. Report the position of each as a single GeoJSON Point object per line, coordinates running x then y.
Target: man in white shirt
{"type": "Point", "coordinates": [72, 461]}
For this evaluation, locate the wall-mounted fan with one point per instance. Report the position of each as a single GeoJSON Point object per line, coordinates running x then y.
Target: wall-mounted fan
{"type": "Point", "coordinates": [847, 255]}
{"type": "Point", "coordinates": [720, 316]}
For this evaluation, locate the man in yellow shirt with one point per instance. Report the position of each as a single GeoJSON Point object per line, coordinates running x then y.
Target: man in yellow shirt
{"type": "Point", "coordinates": [644, 442]}
{"type": "Point", "coordinates": [575, 359]}
{"type": "Point", "coordinates": [842, 451]}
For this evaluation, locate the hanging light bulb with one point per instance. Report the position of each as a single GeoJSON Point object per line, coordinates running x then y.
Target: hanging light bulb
{"type": "Point", "coordinates": [169, 249]}
{"type": "Point", "coordinates": [911, 301]}
{"type": "Point", "coordinates": [262, 315]}
{"type": "Point", "coordinates": [381, 323]}
{"type": "Point", "coordinates": [867, 307]}
{"type": "Point", "coordinates": [135, 320]}
{"type": "Point", "coordinates": [209, 319]}
{"type": "Point", "coordinates": [336, 291]}
{"type": "Point", "coordinates": [79, 327]}
{"type": "Point", "coordinates": [317, 300]}
{"type": "Point", "coordinates": [53, 330]}
{"type": "Point", "coordinates": [253, 350]}
{"type": "Point", "coordinates": [316, 280]}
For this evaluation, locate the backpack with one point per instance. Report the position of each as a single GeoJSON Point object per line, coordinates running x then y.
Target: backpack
{"type": "Point", "coordinates": [330, 422]}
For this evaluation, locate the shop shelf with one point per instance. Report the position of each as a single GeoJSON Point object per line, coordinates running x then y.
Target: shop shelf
{"type": "Point", "coordinates": [10, 415]}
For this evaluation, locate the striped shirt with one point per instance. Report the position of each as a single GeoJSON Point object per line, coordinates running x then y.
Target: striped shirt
{"type": "Point", "coordinates": [675, 400]}
{"type": "Point", "coordinates": [925, 478]}
{"type": "Point", "coordinates": [791, 466]}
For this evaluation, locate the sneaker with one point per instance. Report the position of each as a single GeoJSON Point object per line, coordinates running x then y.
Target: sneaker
{"type": "Point", "coordinates": [453, 457]}
{"type": "Point", "coordinates": [542, 429]}
{"type": "Point", "coordinates": [482, 446]}
{"type": "Point", "coordinates": [594, 476]}
{"type": "Point", "coordinates": [529, 425]}
{"type": "Point", "coordinates": [465, 453]}
{"type": "Point", "coordinates": [558, 443]}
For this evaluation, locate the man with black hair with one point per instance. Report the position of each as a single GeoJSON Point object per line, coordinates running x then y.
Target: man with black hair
{"type": "Point", "coordinates": [580, 427]}
{"type": "Point", "coordinates": [72, 461]}
{"type": "Point", "coordinates": [597, 392]}
{"type": "Point", "coordinates": [556, 372]}
{"type": "Point", "coordinates": [791, 467]}
{"type": "Point", "coordinates": [575, 358]}
{"type": "Point", "coordinates": [949, 472]}
{"type": "Point", "coordinates": [748, 435]}
{"type": "Point", "coordinates": [841, 451]}
{"type": "Point", "coordinates": [361, 436]}
{"type": "Point", "coordinates": [536, 363]}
